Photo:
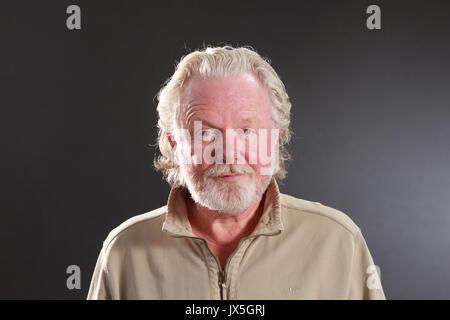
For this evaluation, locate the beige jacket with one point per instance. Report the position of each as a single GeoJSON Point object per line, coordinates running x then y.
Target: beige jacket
{"type": "Point", "coordinates": [299, 250]}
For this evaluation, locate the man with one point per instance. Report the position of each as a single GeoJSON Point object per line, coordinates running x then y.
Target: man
{"type": "Point", "coordinates": [227, 232]}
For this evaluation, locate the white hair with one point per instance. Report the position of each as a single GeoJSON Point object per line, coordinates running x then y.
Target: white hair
{"type": "Point", "coordinates": [219, 62]}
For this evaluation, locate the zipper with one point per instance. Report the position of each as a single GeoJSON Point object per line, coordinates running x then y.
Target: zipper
{"type": "Point", "coordinates": [222, 281]}
{"type": "Point", "coordinates": [223, 273]}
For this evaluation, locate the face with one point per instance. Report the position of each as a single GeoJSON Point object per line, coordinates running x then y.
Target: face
{"type": "Point", "coordinates": [232, 118]}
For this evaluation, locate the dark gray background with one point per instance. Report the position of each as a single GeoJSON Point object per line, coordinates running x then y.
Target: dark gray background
{"type": "Point", "coordinates": [370, 114]}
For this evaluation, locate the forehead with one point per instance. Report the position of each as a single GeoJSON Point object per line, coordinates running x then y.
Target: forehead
{"type": "Point", "coordinates": [239, 96]}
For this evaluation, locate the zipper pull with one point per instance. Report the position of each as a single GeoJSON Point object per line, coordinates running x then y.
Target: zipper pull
{"type": "Point", "coordinates": [221, 277]}
{"type": "Point", "coordinates": [221, 283]}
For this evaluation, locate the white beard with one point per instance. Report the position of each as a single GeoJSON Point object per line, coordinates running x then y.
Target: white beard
{"type": "Point", "coordinates": [229, 198]}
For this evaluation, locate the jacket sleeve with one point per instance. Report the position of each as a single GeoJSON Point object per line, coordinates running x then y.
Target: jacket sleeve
{"type": "Point", "coordinates": [99, 288]}
{"type": "Point", "coordinates": [365, 283]}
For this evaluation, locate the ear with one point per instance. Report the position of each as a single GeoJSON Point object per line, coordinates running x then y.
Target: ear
{"type": "Point", "coordinates": [171, 140]}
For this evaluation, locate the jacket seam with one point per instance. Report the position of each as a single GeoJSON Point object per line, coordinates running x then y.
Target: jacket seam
{"type": "Point", "coordinates": [204, 254]}
{"type": "Point", "coordinates": [239, 267]}
{"type": "Point", "coordinates": [351, 264]}
{"type": "Point", "coordinates": [105, 269]}
{"type": "Point", "coordinates": [353, 233]}
{"type": "Point", "coordinates": [109, 240]}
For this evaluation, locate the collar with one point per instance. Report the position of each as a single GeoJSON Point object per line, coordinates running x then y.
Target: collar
{"type": "Point", "coordinates": [177, 223]}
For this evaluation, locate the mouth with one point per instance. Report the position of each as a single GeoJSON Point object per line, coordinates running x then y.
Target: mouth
{"type": "Point", "coordinates": [230, 177]}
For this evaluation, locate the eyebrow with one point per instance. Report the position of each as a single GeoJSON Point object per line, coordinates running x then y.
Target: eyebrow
{"type": "Point", "coordinates": [208, 124]}
{"type": "Point", "coordinates": [205, 123]}
{"type": "Point", "coordinates": [250, 121]}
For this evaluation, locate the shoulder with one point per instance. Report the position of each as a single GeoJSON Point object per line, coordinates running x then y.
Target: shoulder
{"type": "Point", "coordinates": [146, 224]}
{"type": "Point", "coordinates": [319, 215]}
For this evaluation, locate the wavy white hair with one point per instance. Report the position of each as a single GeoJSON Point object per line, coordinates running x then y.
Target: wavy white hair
{"type": "Point", "coordinates": [219, 62]}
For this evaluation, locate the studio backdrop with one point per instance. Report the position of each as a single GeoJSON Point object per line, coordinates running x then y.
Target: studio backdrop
{"type": "Point", "coordinates": [370, 116]}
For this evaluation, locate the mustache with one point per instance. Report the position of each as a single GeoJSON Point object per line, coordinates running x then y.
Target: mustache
{"type": "Point", "coordinates": [223, 169]}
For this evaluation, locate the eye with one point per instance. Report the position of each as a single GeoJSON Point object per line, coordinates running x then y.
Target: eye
{"type": "Point", "coordinates": [207, 134]}
{"type": "Point", "coordinates": [249, 131]}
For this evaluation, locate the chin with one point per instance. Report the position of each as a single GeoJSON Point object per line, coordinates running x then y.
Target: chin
{"type": "Point", "coordinates": [227, 197]}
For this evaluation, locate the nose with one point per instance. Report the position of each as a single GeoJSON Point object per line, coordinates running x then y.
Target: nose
{"type": "Point", "coordinates": [233, 148]}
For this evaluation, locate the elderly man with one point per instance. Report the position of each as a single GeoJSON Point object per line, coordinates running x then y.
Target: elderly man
{"type": "Point", "coordinates": [226, 231]}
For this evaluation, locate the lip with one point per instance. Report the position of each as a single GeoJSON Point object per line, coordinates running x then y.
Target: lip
{"type": "Point", "coordinates": [230, 177]}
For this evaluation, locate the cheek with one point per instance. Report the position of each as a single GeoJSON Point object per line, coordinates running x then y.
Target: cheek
{"type": "Point", "coordinates": [202, 167]}
{"type": "Point", "coordinates": [251, 153]}
{"type": "Point", "coordinates": [252, 158]}
{"type": "Point", "coordinates": [199, 169]}
{"type": "Point", "coordinates": [259, 153]}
